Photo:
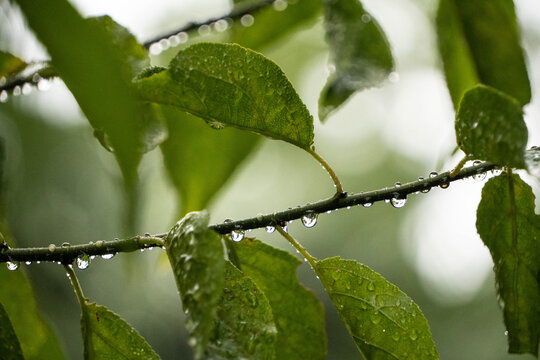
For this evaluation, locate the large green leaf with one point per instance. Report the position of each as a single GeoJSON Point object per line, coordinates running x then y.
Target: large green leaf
{"type": "Point", "coordinates": [94, 68]}
{"type": "Point", "coordinates": [197, 259]}
{"type": "Point", "coordinates": [244, 326]}
{"type": "Point", "coordinates": [9, 344]}
{"type": "Point", "coordinates": [199, 159]}
{"type": "Point", "coordinates": [298, 314]}
{"type": "Point", "coordinates": [107, 336]}
{"type": "Point", "coordinates": [271, 25]}
{"type": "Point", "coordinates": [384, 322]}
{"type": "Point", "coordinates": [490, 126]}
{"type": "Point", "coordinates": [510, 229]}
{"type": "Point", "coordinates": [10, 65]}
{"type": "Point", "coordinates": [359, 50]}
{"type": "Point", "coordinates": [479, 42]}
{"type": "Point", "coordinates": [228, 85]}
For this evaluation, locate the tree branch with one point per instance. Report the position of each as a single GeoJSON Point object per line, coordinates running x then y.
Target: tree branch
{"type": "Point", "coordinates": [66, 255]}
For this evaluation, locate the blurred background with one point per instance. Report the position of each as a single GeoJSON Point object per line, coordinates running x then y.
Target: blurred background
{"type": "Point", "coordinates": [62, 186]}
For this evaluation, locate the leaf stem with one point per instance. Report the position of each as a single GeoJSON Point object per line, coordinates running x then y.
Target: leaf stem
{"type": "Point", "coordinates": [459, 166]}
{"type": "Point", "coordinates": [76, 285]}
{"type": "Point", "coordinates": [310, 259]}
{"type": "Point", "coordinates": [326, 166]}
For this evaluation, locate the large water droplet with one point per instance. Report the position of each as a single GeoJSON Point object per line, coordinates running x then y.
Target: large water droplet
{"type": "Point", "coordinates": [83, 261]}
{"type": "Point", "coordinates": [309, 220]}
{"type": "Point", "coordinates": [398, 201]}
{"type": "Point", "coordinates": [12, 265]}
{"type": "Point", "coordinates": [66, 244]}
{"type": "Point", "coordinates": [433, 174]}
{"type": "Point", "coordinates": [107, 256]}
{"type": "Point", "coordinates": [270, 229]}
{"type": "Point", "coordinates": [237, 235]}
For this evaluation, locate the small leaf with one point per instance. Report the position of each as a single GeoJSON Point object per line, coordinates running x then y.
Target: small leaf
{"type": "Point", "coordinates": [298, 314]}
{"type": "Point", "coordinates": [481, 49]}
{"type": "Point", "coordinates": [244, 326]}
{"type": "Point", "coordinates": [359, 50]}
{"type": "Point", "coordinates": [199, 159]}
{"type": "Point", "coordinates": [509, 227]}
{"type": "Point", "coordinates": [490, 127]}
{"type": "Point", "coordinates": [197, 259]}
{"type": "Point", "coordinates": [9, 344]}
{"type": "Point", "coordinates": [271, 25]}
{"type": "Point", "coordinates": [384, 322]}
{"type": "Point", "coordinates": [108, 336]}
{"type": "Point", "coordinates": [228, 85]}
{"type": "Point", "coordinates": [10, 65]}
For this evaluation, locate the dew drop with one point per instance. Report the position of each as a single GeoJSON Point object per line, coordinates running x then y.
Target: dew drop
{"type": "Point", "coordinates": [66, 244]}
{"type": "Point", "coordinates": [433, 174]}
{"type": "Point", "coordinates": [366, 18]}
{"type": "Point", "coordinates": [395, 336]}
{"type": "Point", "coordinates": [375, 319]}
{"type": "Point", "coordinates": [398, 184]}
{"type": "Point", "coordinates": [284, 227]}
{"type": "Point", "coordinates": [52, 247]}
{"type": "Point", "coordinates": [368, 204]}
{"type": "Point", "coordinates": [107, 256]}
{"type": "Point", "coordinates": [398, 201]}
{"type": "Point", "coordinates": [28, 263]}
{"type": "Point", "coordinates": [270, 229]}
{"type": "Point", "coordinates": [83, 261]}
{"type": "Point", "coordinates": [12, 265]}
{"type": "Point", "coordinates": [309, 220]}
{"type": "Point", "coordinates": [3, 96]}
{"type": "Point", "coordinates": [99, 243]}
{"type": "Point", "coordinates": [237, 235]}
{"type": "Point", "coordinates": [247, 20]}
{"type": "Point", "coordinates": [204, 29]}
{"type": "Point", "coordinates": [221, 25]}
{"type": "Point", "coordinates": [420, 178]}
{"type": "Point", "coordinates": [506, 333]}
{"type": "Point", "coordinates": [17, 90]}
{"type": "Point", "coordinates": [182, 37]}
{"type": "Point", "coordinates": [280, 5]}
{"type": "Point", "coordinates": [393, 77]}
{"type": "Point", "coordinates": [155, 49]}
{"type": "Point", "coordinates": [445, 185]}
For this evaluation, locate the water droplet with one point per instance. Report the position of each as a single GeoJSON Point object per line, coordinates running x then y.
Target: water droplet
{"type": "Point", "coordinates": [12, 265]}
{"type": "Point", "coordinates": [445, 185]}
{"type": "Point", "coordinates": [393, 77]}
{"type": "Point", "coordinates": [497, 172]}
{"type": "Point", "coordinates": [27, 89]}
{"type": "Point", "coordinates": [366, 18]}
{"type": "Point", "coordinates": [371, 286]}
{"type": "Point", "coordinates": [398, 184]}
{"type": "Point", "coordinates": [433, 174]}
{"type": "Point", "coordinates": [280, 5]}
{"type": "Point", "coordinates": [83, 261]}
{"type": "Point", "coordinates": [284, 227]}
{"type": "Point", "coordinates": [506, 333]}
{"type": "Point", "coordinates": [237, 235]}
{"type": "Point", "coordinates": [395, 336]}
{"type": "Point", "coordinates": [368, 204]}
{"type": "Point", "coordinates": [17, 90]}
{"type": "Point", "coordinates": [107, 256]}
{"type": "Point", "coordinates": [398, 201]}
{"type": "Point", "coordinates": [270, 229]}
{"type": "Point", "coordinates": [221, 25]}
{"type": "Point", "coordinates": [247, 20]}
{"type": "Point", "coordinates": [99, 243]}
{"type": "Point", "coordinates": [479, 176]}
{"type": "Point", "coordinates": [155, 49]}
{"type": "Point", "coordinates": [66, 244]}
{"type": "Point", "coordinates": [309, 220]}
{"type": "Point", "coordinates": [3, 96]}
{"type": "Point", "coordinates": [204, 29]}
{"type": "Point", "coordinates": [52, 247]}
{"type": "Point", "coordinates": [413, 335]}
{"type": "Point", "coordinates": [43, 85]}
{"type": "Point", "coordinates": [28, 263]}
{"type": "Point", "coordinates": [375, 319]}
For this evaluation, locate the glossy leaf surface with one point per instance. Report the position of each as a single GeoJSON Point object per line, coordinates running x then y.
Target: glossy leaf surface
{"type": "Point", "coordinates": [479, 43]}
{"type": "Point", "coordinates": [228, 85]}
{"type": "Point", "coordinates": [359, 50]}
{"type": "Point", "coordinates": [509, 227]}
{"type": "Point", "coordinates": [490, 126]}
{"type": "Point", "coordinates": [9, 344]}
{"type": "Point", "coordinates": [197, 259]}
{"type": "Point", "coordinates": [298, 314]}
{"type": "Point", "coordinates": [244, 326]}
{"type": "Point", "coordinates": [384, 322]}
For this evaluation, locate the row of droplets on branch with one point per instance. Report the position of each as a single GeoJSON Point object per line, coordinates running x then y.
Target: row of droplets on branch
{"type": "Point", "coordinates": [396, 196]}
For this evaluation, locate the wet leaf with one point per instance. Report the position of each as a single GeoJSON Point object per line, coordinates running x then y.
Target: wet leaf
{"type": "Point", "coordinates": [107, 336]}
{"type": "Point", "coordinates": [532, 160]}
{"type": "Point", "coordinates": [359, 50]}
{"type": "Point", "coordinates": [490, 127]}
{"type": "Point", "coordinates": [271, 25]}
{"type": "Point", "coordinates": [481, 48]}
{"type": "Point", "coordinates": [244, 326]}
{"type": "Point", "coordinates": [9, 344]}
{"type": "Point", "coordinates": [199, 159]}
{"type": "Point", "coordinates": [228, 85]}
{"type": "Point", "coordinates": [384, 322]}
{"type": "Point", "coordinates": [509, 227]}
{"type": "Point", "coordinates": [10, 65]}
{"type": "Point", "coordinates": [298, 314]}
{"type": "Point", "coordinates": [197, 259]}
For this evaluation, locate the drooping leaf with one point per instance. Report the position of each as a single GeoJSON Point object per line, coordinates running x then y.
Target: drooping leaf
{"type": "Point", "coordinates": [228, 85]}
{"type": "Point", "coordinates": [199, 159]}
{"type": "Point", "coordinates": [10, 64]}
{"type": "Point", "coordinates": [197, 259]}
{"type": "Point", "coordinates": [479, 42]}
{"type": "Point", "coordinates": [93, 66]}
{"type": "Point", "coordinates": [298, 314]}
{"type": "Point", "coordinates": [490, 126]}
{"type": "Point", "coordinates": [108, 336]}
{"type": "Point", "coordinates": [359, 50]}
{"type": "Point", "coordinates": [9, 344]}
{"type": "Point", "coordinates": [274, 22]}
{"type": "Point", "coordinates": [384, 322]}
{"type": "Point", "coordinates": [244, 326]}
{"type": "Point", "coordinates": [509, 227]}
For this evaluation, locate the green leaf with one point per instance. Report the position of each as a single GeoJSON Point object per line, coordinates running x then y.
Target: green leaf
{"type": "Point", "coordinates": [298, 314]}
{"type": "Point", "coordinates": [228, 85]}
{"type": "Point", "coordinates": [271, 25]}
{"type": "Point", "coordinates": [532, 159]}
{"type": "Point", "coordinates": [510, 229]}
{"type": "Point", "coordinates": [490, 126]}
{"type": "Point", "coordinates": [197, 259]}
{"type": "Point", "coordinates": [384, 322]}
{"type": "Point", "coordinates": [479, 42]}
{"type": "Point", "coordinates": [10, 65]}
{"type": "Point", "coordinates": [108, 336]}
{"type": "Point", "coordinates": [9, 344]}
{"type": "Point", "coordinates": [199, 159]}
{"type": "Point", "coordinates": [244, 326]}
{"type": "Point", "coordinates": [359, 50]}
{"type": "Point", "coordinates": [94, 68]}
